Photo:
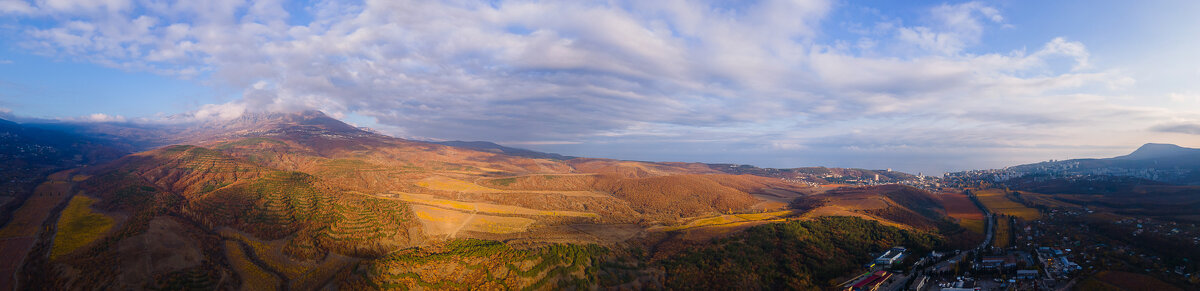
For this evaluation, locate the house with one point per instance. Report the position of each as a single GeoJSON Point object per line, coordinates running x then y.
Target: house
{"type": "Point", "coordinates": [870, 283]}
{"type": "Point", "coordinates": [891, 256]}
{"type": "Point", "coordinates": [1027, 274]}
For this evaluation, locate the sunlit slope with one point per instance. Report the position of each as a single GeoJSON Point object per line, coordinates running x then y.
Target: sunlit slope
{"type": "Point", "coordinates": [300, 202]}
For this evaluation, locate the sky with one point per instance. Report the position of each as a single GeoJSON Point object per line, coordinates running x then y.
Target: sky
{"type": "Point", "coordinates": [917, 86]}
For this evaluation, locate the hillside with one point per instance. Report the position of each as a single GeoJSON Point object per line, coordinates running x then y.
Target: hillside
{"type": "Point", "coordinates": [894, 205]}
{"type": "Point", "coordinates": [297, 200]}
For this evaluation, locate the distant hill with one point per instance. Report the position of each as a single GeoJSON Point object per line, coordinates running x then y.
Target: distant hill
{"type": "Point", "coordinates": [1155, 162]}
{"type": "Point", "coordinates": [28, 154]}
{"type": "Point", "coordinates": [1152, 151]}
{"type": "Point", "coordinates": [486, 146]}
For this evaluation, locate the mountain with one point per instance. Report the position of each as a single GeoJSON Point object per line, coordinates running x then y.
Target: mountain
{"type": "Point", "coordinates": [495, 148]}
{"type": "Point", "coordinates": [134, 136]}
{"type": "Point", "coordinates": [1161, 151]}
{"type": "Point", "coordinates": [304, 201]}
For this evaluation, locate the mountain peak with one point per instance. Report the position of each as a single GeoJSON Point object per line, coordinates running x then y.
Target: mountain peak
{"type": "Point", "coordinates": [1158, 150]}
{"type": "Point", "coordinates": [306, 123]}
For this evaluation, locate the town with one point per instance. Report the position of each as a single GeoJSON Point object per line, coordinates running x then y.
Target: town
{"type": "Point", "coordinates": [1066, 248]}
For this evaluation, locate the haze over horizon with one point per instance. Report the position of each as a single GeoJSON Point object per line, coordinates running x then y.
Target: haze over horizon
{"type": "Point", "coordinates": [919, 87]}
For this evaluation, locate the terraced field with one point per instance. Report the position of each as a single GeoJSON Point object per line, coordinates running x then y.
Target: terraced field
{"type": "Point", "coordinates": [483, 207]}
{"type": "Point", "coordinates": [270, 207]}
{"type": "Point", "coordinates": [997, 202]}
{"type": "Point", "coordinates": [78, 226]}
{"type": "Point", "coordinates": [366, 223]}
{"type": "Point", "coordinates": [517, 185]}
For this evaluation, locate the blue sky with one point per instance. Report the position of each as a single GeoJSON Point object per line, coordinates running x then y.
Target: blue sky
{"type": "Point", "coordinates": [920, 86]}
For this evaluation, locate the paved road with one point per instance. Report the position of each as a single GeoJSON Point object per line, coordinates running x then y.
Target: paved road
{"type": "Point", "coordinates": [957, 258]}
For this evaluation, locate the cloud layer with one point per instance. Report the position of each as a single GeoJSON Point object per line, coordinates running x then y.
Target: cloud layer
{"type": "Point", "coordinates": [761, 75]}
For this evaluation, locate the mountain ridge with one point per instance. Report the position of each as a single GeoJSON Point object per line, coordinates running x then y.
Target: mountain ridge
{"type": "Point", "coordinates": [497, 148]}
{"type": "Point", "coordinates": [1158, 150]}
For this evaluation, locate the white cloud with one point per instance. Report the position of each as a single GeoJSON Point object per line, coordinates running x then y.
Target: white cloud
{"type": "Point", "coordinates": [529, 72]}
{"type": "Point", "coordinates": [15, 7]}
{"type": "Point", "coordinates": [225, 111]}
{"type": "Point", "coordinates": [101, 117]}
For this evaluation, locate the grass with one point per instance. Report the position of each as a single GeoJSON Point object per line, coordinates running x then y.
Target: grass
{"type": "Point", "coordinates": [498, 224]}
{"type": "Point", "coordinates": [974, 225]}
{"type": "Point", "coordinates": [27, 220]}
{"type": "Point", "coordinates": [450, 184]}
{"type": "Point", "coordinates": [504, 181]}
{"type": "Point", "coordinates": [1003, 233]}
{"type": "Point", "coordinates": [79, 226]}
{"type": "Point", "coordinates": [998, 202]}
{"type": "Point", "coordinates": [710, 221]}
{"type": "Point", "coordinates": [765, 215]}
{"type": "Point", "coordinates": [960, 206]}
{"type": "Point", "coordinates": [731, 219]}
{"type": "Point", "coordinates": [253, 277]}
{"type": "Point", "coordinates": [485, 207]}
{"type": "Point", "coordinates": [1046, 200]}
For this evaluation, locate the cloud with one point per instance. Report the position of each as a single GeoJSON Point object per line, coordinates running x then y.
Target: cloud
{"type": "Point", "coordinates": [1184, 97]}
{"type": "Point", "coordinates": [5, 62]}
{"type": "Point", "coordinates": [15, 7]}
{"type": "Point", "coordinates": [760, 72]}
{"type": "Point", "coordinates": [98, 117]}
{"type": "Point", "coordinates": [952, 27]}
{"type": "Point", "coordinates": [225, 111]}
{"type": "Point", "coordinates": [1182, 127]}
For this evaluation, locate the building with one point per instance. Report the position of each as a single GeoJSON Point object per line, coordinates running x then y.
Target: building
{"type": "Point", "coordinates": [920, 283]}
{"type": "Point", "coordinates": [998, 262]}
{"type": "Point", "coordinates": [870, 283]}
{"type": "Point", "coordinates": [891, 256]}
{"type": "Point", "coordinates": [1027, 274]}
